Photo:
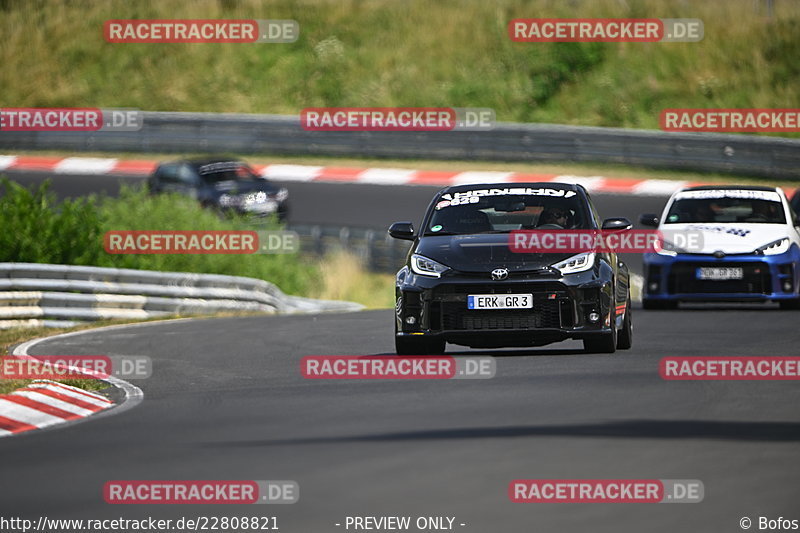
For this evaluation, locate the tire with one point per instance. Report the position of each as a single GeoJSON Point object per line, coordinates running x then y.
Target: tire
{"type": "Point", "coordinates": [658, 304]}
{"type": "Point", "coordinates": [418, 346]}
{"type": "Point", "coordinates": [625, 337]}
{"type": "Point", "coordinates": [790, 305]}
{"type": "Point", "coordinates": [606, 343]}
{"type": "Point", "coordinates": [283, 214]}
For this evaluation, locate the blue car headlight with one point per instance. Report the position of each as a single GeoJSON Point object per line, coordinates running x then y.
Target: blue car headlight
{"type": "Point", "coordinates": [668, 249]}
{"type": "Point", "coordinates": [781, 246]}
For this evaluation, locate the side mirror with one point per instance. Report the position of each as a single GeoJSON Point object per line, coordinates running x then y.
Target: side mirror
{"type": "Point", "coordinates": [402, 230]}
{"type": "Point", "coordinates": [619, 224]}
{"type": "Point", "coordinates": [649, 220]}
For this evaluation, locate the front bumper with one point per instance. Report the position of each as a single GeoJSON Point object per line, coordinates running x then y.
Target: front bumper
{"type": "Point", "coordinates": [281, 209]}
{"type": "Point", "coordinates": [766, 277]}
{"type": "Point", "coordinates": [561, 309]}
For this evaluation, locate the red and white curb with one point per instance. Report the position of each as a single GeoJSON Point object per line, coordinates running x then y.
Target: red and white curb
{"type": "Point", "coordinates": [46, 403]}
{"type": "Point", "coordinates": [372, 176]}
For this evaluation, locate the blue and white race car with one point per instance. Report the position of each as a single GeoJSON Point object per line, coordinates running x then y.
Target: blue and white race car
{"type": "Point", "coordinates": [724, 243]}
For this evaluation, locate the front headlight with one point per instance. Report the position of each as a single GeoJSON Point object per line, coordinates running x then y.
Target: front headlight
{"type": "Point", "coordinates": [226, 200]}
{"type": "Point", "coordinates": [282, 194]}
{"type": "Point", "coordinates": [781, 246]}
{"type": "Point", "coordinates": [576, 263]}
{"type": "Point", "coordinates": [427, 267]}
{"type": "Point", "coordinates": [667, 248]}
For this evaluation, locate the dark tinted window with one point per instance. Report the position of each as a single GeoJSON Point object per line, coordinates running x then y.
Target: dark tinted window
{"type": "Point", "coordinates": [187, 175]}
{"type": "Point", "coordinates": [508, 209]}
{"type": "Point", "coordinates": [225, 171]}
{"type": "Point", "coordinates": [796, 203]}
{"type": "Point", "coordinates": [168, 172]}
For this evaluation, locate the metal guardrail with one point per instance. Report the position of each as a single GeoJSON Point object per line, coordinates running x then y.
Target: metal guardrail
{"type": "Point", "coordinates": [377, 251]}
{"type": "Point", "coordinates": [771, 157]}
{"type": "Point", "coordinates": [33, 294]}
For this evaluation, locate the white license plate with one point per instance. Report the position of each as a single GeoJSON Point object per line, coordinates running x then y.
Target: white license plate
{"type": "Point", "coordinates": [500, 301]}
{"type": "Point", "coordinates": [720, 273]}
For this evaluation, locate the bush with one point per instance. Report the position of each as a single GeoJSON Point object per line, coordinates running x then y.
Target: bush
{"type": "Point", "coordinates": [34, 231]}
{"type": "Point", "coordinates": [37, 229]}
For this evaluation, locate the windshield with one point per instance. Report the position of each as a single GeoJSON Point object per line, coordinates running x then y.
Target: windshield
{"type": "Point", "coordinates": [759, 207]}
{"type": "Point", "coordinates": [225, 171]}
{"type": "Point", "coordinates": [505, 210]}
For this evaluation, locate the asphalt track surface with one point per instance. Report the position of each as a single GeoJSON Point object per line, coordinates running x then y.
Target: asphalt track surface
{"type": "Point", "coordinates": [227, 401]}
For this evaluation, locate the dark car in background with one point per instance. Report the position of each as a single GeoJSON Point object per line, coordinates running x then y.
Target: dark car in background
{"type": "Point", "coordinates": [223, 184]}
{"type": "Point", "coordinates": [795, 202]}
{"type": "Point", "coordinates": [463, 284]}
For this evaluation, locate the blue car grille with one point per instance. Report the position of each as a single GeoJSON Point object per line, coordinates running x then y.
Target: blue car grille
{"type": "Point", "coordinates": [756, 279]}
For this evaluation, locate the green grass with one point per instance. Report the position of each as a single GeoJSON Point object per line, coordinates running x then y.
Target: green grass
{"type": "Point", "coordinates": [403, 53]}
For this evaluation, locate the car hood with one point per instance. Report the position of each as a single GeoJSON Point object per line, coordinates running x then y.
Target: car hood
{"type": "Point", "coordinates": [482, 253]}
{"type": "Point", "coordinates": [728, 237]}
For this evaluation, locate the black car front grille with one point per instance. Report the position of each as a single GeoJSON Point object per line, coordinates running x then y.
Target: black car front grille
{"type": "Point", "coordinates": [543, 287]}
{"type": "Point", "coordinates": [543, 315]}
{"type": "Point", "coordinates": [756, 279]}
{"type": "Point", "coordinates": [551, 308]}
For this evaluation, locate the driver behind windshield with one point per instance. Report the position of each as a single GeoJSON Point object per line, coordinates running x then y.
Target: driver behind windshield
{"type": "Point", "coordinates": [553, 217]}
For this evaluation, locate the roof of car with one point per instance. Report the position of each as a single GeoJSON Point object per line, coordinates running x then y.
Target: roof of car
{"type": "Point", "coordinates": [210, 161]}
{"type": "Point", "coordinates": [729, 188]}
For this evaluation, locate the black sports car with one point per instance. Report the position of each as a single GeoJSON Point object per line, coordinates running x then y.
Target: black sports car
{"type": "Point", "coordinates": [463, 284]}
{"type": "Point", "coordinates": [224, 184]}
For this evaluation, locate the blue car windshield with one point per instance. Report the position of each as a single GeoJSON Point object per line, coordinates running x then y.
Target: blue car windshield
{"type": "Point", "coordinates": [720, 206]}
